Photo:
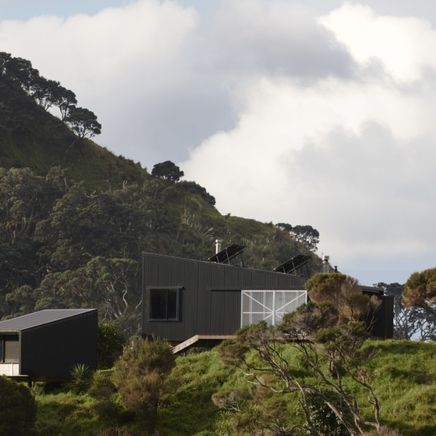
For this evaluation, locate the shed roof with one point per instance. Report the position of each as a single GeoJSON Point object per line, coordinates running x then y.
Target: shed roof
{"type": "Point", "coordinates": [39, 318]}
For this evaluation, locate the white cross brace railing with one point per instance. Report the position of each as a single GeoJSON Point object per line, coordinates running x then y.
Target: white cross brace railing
{"type": "Point", "coordinates": [267, 300]}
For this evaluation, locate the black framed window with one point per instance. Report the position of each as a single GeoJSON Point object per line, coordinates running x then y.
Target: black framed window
{"type": "Point", "coordinates": [164, 304]}
{"type": "Point", "coordinates": [2, 350]}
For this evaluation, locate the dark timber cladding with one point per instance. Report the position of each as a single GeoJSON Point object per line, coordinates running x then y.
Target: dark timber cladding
{"type": "Point", "coordinates": [207, 295]}
{"type": "Point", "coordinates": [51, 342]}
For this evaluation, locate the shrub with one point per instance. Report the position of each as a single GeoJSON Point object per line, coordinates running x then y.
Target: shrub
{"type": "Point", "coordinates": [17, 409]}
{"type": "Point", "coordinates": [80, 378]}
{"type": "Point", "coordinates": [140, 376]}
{"type": "Point", "coordinates": [110, 342]}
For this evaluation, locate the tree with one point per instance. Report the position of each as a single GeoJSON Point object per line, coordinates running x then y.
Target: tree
{"type": "Point", "coordinates": [306, 235]}
{"type": "Point", "coordinates": [167, 170]}
{"type": "Point", "coordinates": [141, 375]}
{"type": "Point", "coordinates": [105, 283]}
{"type": "Point", "coordinates": [44, 91]}
{"type": "Point", "coordinates": [420, 291]}
{"type": "Point", "coordinates": [65, 100]}
{"type": "Point", "coordinates": [343, 294]}
{"type": "Point", "coordinates": [82, 122]}
{"type": "Point", "coordinates": [17, 409]}
{"type": "Point", "coordinates": [409, 322]}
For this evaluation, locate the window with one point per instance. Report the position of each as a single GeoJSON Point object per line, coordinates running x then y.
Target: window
{"type": "Point", "coordinates": [11, 349]}
{"type": "Point", "coordinates": [164, 304]}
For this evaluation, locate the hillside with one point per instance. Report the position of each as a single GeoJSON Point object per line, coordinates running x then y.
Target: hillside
{"type": "Point", "coordinates": [76, 218]}
{"type": "Point", "coordinates": [403, 377]}
{"type": "Point", "coordinates": [32, 137]}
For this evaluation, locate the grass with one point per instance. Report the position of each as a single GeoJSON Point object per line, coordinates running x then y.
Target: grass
{"type": "Point", "coordinates": [404, 377]}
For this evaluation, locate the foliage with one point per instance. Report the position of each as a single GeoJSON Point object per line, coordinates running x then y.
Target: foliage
{"type": "Point", "coordinates": [328, 336]}
{"type": "Point", "coordinates": [306, 235]}
{"type": "Point", "coordinates": [343, 293]}
{"type": "Point", "coordinates": [420, 291]}
{"type": "Point", "coordinates": [110, 342]}
{"type": "Point", "coordinates": [17, 409]}
{"type": "Point", "coordinates": [195, 188]}
{"type": "Point", "coordinates": [409, 322]}
{"type": "Point", "coordinates": [141, 378]}
{"type": "Point", "coordinates": [62, 245]}
{"type": "Point", "coordinates": [46, 93]}
{"type": "Point", "coordinates": [167, 170]}
{"type": "Point", "coordinates": [103, 391]}
{"type": "Point", "coordinates": [404, 378]}
{"type": "Point", "coordinates": [82, 122]}
{"type": "Point", "coordinates": [81, 377]}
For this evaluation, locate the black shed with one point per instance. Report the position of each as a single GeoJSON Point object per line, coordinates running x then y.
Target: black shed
{"type": "Point", "coordinates": [185, 298]}
{"type": "Point", "coordinates": [47, 344]}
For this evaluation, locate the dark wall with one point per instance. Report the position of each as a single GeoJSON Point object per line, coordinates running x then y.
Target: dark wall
{"type": "Point", "coordinates": [53, 349]}
{"type": "Point", "coordinates": [210, 298]}
{"type": "Point", "coordinates": [383, 319]}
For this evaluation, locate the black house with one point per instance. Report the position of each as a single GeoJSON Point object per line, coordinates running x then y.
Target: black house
{"type": "Point", "coordinates": [184, 298]}
{"type": "Point", "coordinates": [47, 344]}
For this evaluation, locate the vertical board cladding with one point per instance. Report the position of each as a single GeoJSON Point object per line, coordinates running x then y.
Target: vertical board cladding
{"type": "Point", "coordinates": [51, 350]}
{"type": "Point", "coordinates": [210, 294]}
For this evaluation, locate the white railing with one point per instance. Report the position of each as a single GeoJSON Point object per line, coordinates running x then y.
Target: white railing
{"type": "Point", "coordinates": [10, 369]}
{"type": "Point", "coordinates": [269, 306]}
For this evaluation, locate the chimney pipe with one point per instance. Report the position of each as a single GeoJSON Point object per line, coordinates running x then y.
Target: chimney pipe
{"type": "Point", "coordinates": [217, 246]}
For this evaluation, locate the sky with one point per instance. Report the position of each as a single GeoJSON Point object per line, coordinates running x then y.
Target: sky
{"type": "Point", "coordinates": [315, 112]}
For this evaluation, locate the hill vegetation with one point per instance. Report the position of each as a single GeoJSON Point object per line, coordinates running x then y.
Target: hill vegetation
{"type": "Point", "coordinates": [76, 218]}
{"type": "Point", "coordinates": [404, 379]}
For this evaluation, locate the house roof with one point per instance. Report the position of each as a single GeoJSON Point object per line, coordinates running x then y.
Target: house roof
{"type": "Point", "coordinates": [39, 318]}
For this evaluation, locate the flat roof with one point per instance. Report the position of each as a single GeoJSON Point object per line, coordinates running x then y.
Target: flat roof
{"type": "Point", "coordinates": [39, 318]}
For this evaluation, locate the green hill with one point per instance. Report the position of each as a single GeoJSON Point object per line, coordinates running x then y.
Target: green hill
{"type": "Point", "coordinates": [404, 377]}
{"type": "Point", "coordinates": [76, 217]}
{"type": "Point", "coordinates": [32, 137]}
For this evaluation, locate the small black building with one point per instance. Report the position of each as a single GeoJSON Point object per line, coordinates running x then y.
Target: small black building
{"type": "Point", "coordinates": [183, 298]}
{"type": "Point", "coordinates": [47, 344]}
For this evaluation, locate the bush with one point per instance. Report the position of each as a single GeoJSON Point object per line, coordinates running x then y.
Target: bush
{"type": "Point", "coordinates": [17, 409]}
{"type": "Point", "coordinates": [141, 375]}
{"type": "Point", "coordinates": [110, 342]}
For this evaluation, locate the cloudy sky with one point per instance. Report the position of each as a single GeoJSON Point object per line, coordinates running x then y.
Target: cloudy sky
{"type": "Point", "coordinates": [318, 112]}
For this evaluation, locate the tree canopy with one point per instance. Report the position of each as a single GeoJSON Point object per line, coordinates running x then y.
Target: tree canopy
{"type": "Point", "coordinates": [47, 93]}
{"type": "Point", "coordinates": [167, 170]}
{"type": "Point", "coordinates": [420, 290]}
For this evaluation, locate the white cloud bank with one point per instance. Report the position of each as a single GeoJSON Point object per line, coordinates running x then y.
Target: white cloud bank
{"type": "Point", "coordinates": [355, 157]}
{"type": "Point", "coordinates": [288, 116]}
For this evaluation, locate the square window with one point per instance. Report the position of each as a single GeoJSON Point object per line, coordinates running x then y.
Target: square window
{"type": "Point", "coordinates": [164, 304]}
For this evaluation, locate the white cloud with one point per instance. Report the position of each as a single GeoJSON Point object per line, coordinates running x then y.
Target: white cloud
{"type": "Point", "coordinates": [288, 116]}
{"type": "Point", "coordinates": [405, 46]}
{"type": "Point", "coordinates": [353, 157]}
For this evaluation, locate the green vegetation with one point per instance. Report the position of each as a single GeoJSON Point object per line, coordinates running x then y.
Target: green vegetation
{"type": "Point", "coordinates": [17, 409]}
{"type": "Point", "coordinates": [404, 380]}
